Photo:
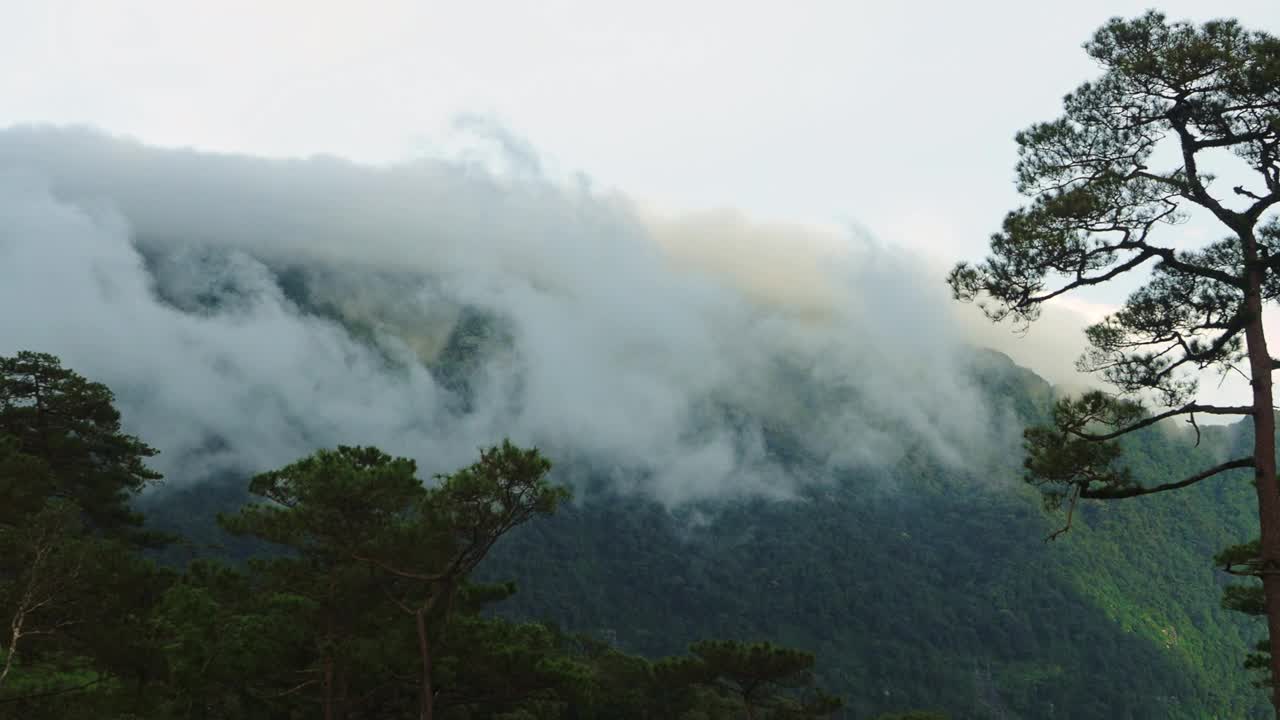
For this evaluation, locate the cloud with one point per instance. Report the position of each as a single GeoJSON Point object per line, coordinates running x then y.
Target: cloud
{"type": "Point", "coordinates": [247, 311]}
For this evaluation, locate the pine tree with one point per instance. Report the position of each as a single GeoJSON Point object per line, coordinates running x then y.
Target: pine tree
{"type": "Point", "coordinates": [1128, 159]}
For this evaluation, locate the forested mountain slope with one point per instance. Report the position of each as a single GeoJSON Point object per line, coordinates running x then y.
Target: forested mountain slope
{"type": "Point", "coordinates": [920, 583]}
{"type": "Point", "coordinates": [929, 586]}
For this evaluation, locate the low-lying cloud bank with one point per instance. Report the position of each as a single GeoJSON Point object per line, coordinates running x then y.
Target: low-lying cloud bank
{"type": "Point", "coordinates": [247, 311]}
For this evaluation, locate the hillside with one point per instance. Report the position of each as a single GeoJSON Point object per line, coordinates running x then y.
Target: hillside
{"type": "Point", "coordinates": [918, 584]}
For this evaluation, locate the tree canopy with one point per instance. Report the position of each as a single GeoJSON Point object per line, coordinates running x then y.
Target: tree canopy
{"type": "Point", "coordinates": [52, 417]}
{"type": "Point", "coordinates": [67, 530]}
{"type": "Point", "coordinates": [363, 572]}
{"type": "Point", "coordinates": [1130, 157]}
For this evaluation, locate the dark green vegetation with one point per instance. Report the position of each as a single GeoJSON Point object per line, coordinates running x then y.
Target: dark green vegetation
{"type": "Point", "coordinates": [359, 603]}
{"type": "Point", "coordinates": [927, 585]}
{"type": "Point", "coordinates": [917, 585]}
{"type": "Point", "coordinates": [1134, 152]}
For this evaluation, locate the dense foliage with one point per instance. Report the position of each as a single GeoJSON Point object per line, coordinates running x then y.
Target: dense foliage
{"type": "Point", "coordinates": [928, 585]}
{"type": "Point", "coordinates": [1134, 152]}
{"type": "Point", "coordinates": [920, 584]}
{"type": "Point", "coordinates": [356, 602]}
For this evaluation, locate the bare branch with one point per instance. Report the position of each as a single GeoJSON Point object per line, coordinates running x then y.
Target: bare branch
{"type": "Point", "coordinates": [1240, 190]}
{"type": "Point", "coordinates": [1071, 511]}
{"type": "Point", "coordinates": [1184, 410]}
{"type": "Point", "coordinates": [1085, 281]}
{"type": "Point", "coordinates": [1128, 492]}
{"type": "Point", "coordinates": [1195, 191]}
{"type": "Point", "coordinates": [1170, 258]}
{"type": "Point", "coordinates": [1145, 252]}
{"type": "Point", "coordinates": [435, 577]}
{"type": "Point", "coordinates": [1263, 203]}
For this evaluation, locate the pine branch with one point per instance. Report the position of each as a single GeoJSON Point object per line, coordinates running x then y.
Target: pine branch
{"type": "Point", "coordinates": [1184, 410]}
{"type": "Point", "coordinates": [1136, 491]}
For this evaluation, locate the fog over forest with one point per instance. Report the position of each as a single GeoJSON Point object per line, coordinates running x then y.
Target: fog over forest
{"type": "Point", "coordinates": [247, 311]}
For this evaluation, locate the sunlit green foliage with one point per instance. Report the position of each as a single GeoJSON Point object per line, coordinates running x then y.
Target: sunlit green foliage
{"type": "Point", "coordinates": [1128, 157]}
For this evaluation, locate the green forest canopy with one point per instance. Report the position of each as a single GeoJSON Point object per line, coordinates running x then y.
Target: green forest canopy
{"type": "Point", "coordinates": [361, 607]}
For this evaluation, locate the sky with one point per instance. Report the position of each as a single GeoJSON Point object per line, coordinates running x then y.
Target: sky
{"type": "Point", "coordinates": [895, 117]}
{"type": "Point", "coordinates": [784, 186]}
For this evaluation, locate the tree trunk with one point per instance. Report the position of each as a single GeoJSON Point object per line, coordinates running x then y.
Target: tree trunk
{"type": "Point", "coordinates": [1264, 456]}
{"type": "Point", "coordinates": [427, 702]}
{"type": "Point", "coordinates": [328, 688]}
{"type": "Point", "coordinates": [11, 652]}
{"type": "Point", "coordinates": [343, 696]}
{"type": "Point", "coordinates": [17, 626]}
{"type": "Point", "coordinates": [329, 627]}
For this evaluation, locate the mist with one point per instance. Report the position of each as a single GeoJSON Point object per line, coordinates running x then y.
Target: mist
{"type": "Point", "coordinates": [247, 311]}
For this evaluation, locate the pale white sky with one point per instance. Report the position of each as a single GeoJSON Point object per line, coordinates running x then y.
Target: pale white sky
{"type": "Point", "coordinates": [896, 116]}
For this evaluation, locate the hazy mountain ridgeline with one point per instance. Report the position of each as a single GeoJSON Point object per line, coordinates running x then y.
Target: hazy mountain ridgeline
{"type": "Point", "coordinates": [247, 311]}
